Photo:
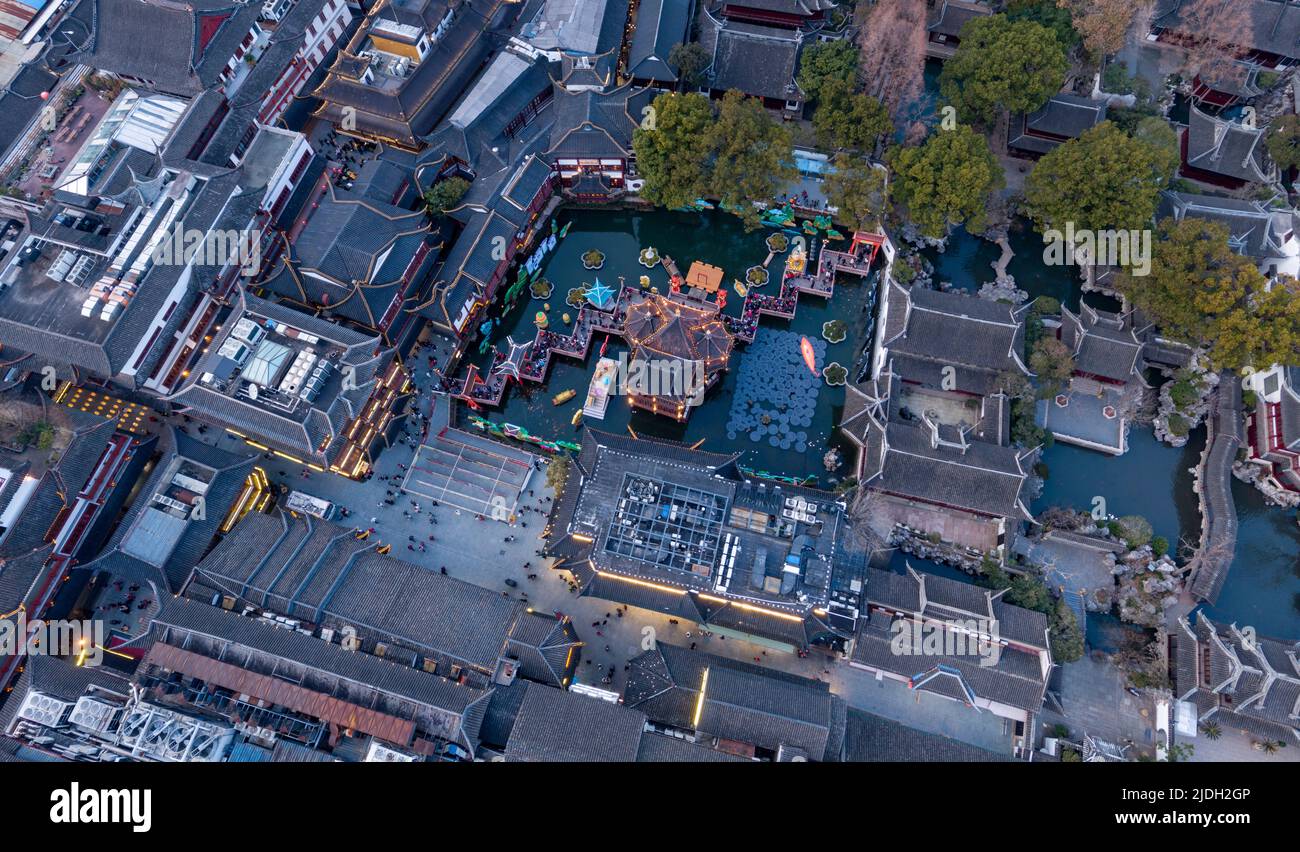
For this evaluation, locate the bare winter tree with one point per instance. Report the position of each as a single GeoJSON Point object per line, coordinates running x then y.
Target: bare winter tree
{"type": "Point", "coordinates": [861, 509]}
{"type": "Point", "coordinates": [1103, 24]}
{"type": "Point", "coordinates": [893, 43]}
{"type": "Point", "coordinates": [1214, 32]}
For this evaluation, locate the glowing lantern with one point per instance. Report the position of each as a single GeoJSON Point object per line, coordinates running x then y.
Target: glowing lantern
{"type": "Point", "coordinates": [809, 357]}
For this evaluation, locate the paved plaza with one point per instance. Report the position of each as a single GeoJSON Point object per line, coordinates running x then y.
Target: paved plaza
{"type": "Point", "coordinates": [469, 473]}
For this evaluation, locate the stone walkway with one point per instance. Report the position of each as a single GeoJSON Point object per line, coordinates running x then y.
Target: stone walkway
{"type": "Point", "coordinates": [1095, 702]}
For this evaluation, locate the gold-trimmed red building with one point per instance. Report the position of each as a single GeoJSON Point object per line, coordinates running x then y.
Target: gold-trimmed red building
{"type": "Point", "coordinates": [680, 347]}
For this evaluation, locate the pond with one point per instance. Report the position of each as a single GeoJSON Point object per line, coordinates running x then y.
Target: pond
{"type": "Point", "coordinates": [1263, 586]}
{"type": "Point", "coordinates": [967, 264]}
{"type": "Point", "coordinates": [1152, 480]}
{"type": "Point", "coordinates": [717, 238]}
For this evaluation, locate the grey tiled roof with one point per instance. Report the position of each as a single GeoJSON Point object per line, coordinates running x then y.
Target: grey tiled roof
{"type": "Point", "coordinates": [660, 24]}
{"type": "Point", "coordinates": [1273, 27]}
{"type": "Point", "coordinates": [185, 616]}
{"type": "Point", "coordinates": [759, 61]}
{"type": "Point", "coordinates": [984, 478]}
{"type": "Point", "coordinates": [1226, 148]}
{"type": "Point", "coordinates": [20, 101]}
{"type": "Point", "coordinates": [662, 748]}
{"type": "Point", "coordinates": [592, 123]}
{"type": "Point", "coordinates": [336, 260]}
{"type": "Point", "coordinates": [1017, 679]}
{"type": "Point", "coordinates": [1244, 682]}
{"type": "Point", "coordinates": [951, 17]}
{"type": "Point", "coordinates": [1103, 344]}
{"type": "Point", "coordinates": [179, 60]}
{"type": "Point", "coordinates": [742, 702]}
{"type": "Point", "coordinates": [953, 329]}
{"type": "Point", "coordinates": [60, 484]}
{"type": "Point", "coordinates": [18, 574]}
{"type": "Point", "coordinates": [940, 597]}
{"type": "Point", "coordinates": [558, 726]}
{"type": "Point", "coordinates": [1064, 115]}
{"type": "Point", "coordinates": [875, 739]}
{"type": "Point", "coordinates": [478, 123]}
{"type": "Point", "coordinates": [319, 572]}
{"type": "Point", "coordinates": [1253, 229]}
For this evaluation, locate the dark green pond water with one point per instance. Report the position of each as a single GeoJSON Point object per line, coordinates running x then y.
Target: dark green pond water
{"type": "Point", "coordinates": [968, 265]}
{"type": "Point", "coordinates": [1151, 480]}
{"type": "Point", "coordinates": [713, 237]}
{"type": "Point", "coordinates": [1263, 587]}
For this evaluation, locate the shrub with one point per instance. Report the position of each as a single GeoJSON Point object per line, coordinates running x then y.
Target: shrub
{"type": "Point", "coordinates": [1183, 394]}
{"type": "Point", "coordinates": [1159, 546]}
{"type": "Point", "coordinates": [1178, 425]}
{"type": "Point", "coordinates": [835, 331]}
{"type": "Point", "coordinates": [1135, 530]}
{"type": "Point", "coordinates": [557, 472]}
{"type": "Point", "coordinates": [835, 374]}
{"type": "Point", "coordinates": [1116, 79]}
{"type": "Point", "coordinates": [1046, 306]}
{"type": "Point", "coordinates": [39, 434]}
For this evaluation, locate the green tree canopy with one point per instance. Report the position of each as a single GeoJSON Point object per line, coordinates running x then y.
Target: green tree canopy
{"type": "Point", "coordinates": [672, 148]}
{"type": "Point", "coordinates": [1104, 179]}
{"type": "Point", "coordinates": [1283, 141]}
{"type": "Point", "coordinates": [848, 119]}
{"type": "Point", "coordinates": [445, 195]}
{"type": "Point", "coordinates": [825, 61]}
{"type": "Point", "coordinates": [947, 180]}
{"type": "Point", "coordinates": [1201, 292]}
{"type": "Point", "coordinates": [1002, 65]}
{"type": "Point", "coordinates": [1157, 132]}
{"type": "Point", "coordinates": [752, 156]}
{"type": "Point", "coordinates": [1064, 633]}
{"type": "Point", "coordinates": [1050, 14]}
{"type": "Point", "coordinates": [858, 190]}
{"type": "Point", "coordinates": [1052, 363]}
{"type": "Point", "coordinates": [690, 59]}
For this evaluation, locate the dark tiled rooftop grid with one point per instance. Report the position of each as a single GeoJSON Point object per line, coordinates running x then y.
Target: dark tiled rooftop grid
{"type": "Point", "coordinates": [744, 703]}
{"type": "Point", "coordinates": [875, 739]}
{"type": "Point", "coordinates": [320, 573]}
